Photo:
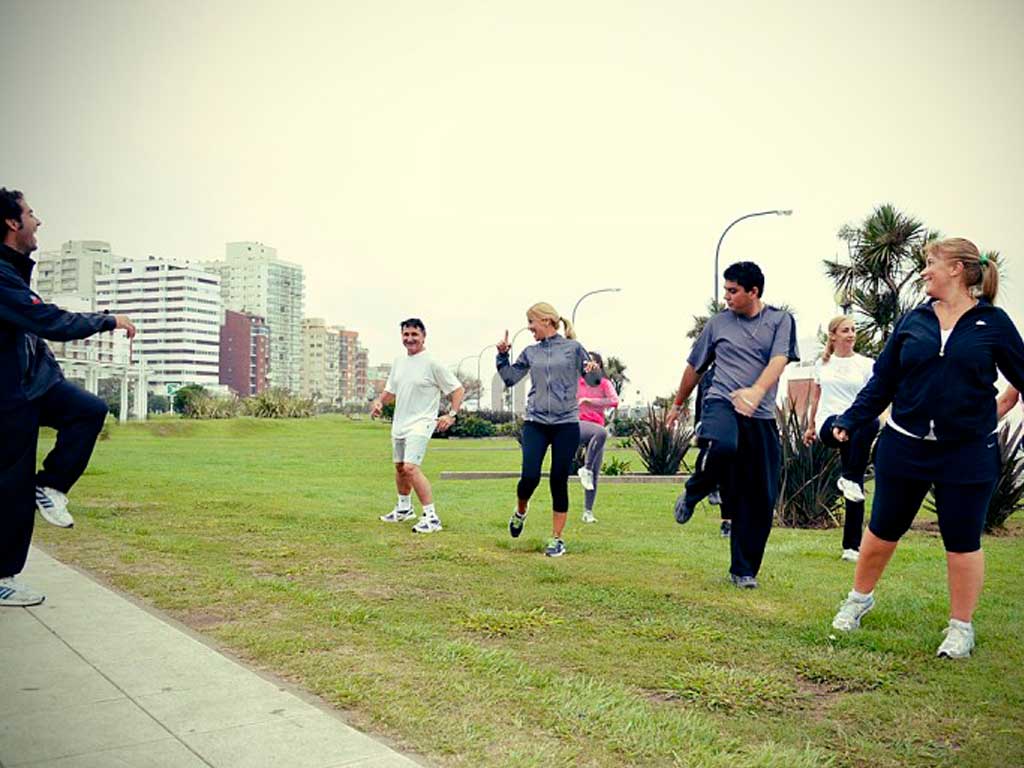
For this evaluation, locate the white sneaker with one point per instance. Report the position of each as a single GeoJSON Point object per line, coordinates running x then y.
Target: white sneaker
{"type": "Point", "coordinates": [959, 640]}
{"type": "Point", "coordinates": [850, 555]}
{"type": "Point", "coordinates": [588, 516]}
{"type": "Point", "coordinates": [15, 594]}
{"type": "Point", "coordinates": [851, 612]}
{"type": "Point", "coordinates": [397, 515]}
{"type": "Point", "coordinates": [53, 506]}
{"type": "Point", "coordinates": [851, 490]}
{"type": "Point", "coordinates": [586, 478]}
{"type": "Point", "coordinates": [427, 525]}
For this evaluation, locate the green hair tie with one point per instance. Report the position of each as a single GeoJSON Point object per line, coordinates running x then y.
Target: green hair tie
{"type": "Point", "coordinates": [983, 259]}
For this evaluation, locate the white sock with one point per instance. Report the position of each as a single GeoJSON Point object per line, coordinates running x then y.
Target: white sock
{"type": "Point", "coordinates": [961, 624]}
{"type": "Point", "coordinates": [861, 597]}
{"type": "Point", "coordinates": [428, 510]}
{"type": "Point", "coordinates": [404, 502]}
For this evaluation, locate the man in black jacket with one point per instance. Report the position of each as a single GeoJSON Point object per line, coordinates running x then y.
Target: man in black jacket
{"type": "Point", "coordinates": [33, 393]}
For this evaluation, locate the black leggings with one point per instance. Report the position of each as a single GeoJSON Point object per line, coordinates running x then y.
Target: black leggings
{"type": "Point", "coordinates": [854, 456]}
{"type": "Point", "coordinates": [961, 509]}
{"type": "Point", "coordinates": [563, 439]}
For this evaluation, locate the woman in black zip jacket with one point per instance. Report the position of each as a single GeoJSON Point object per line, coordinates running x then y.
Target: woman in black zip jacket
{"type": "Point", "coordinates": [938, 370]}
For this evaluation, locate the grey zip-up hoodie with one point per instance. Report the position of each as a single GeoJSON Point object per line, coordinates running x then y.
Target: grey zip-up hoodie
{"type": "Point", "coordinates": [555, 366]}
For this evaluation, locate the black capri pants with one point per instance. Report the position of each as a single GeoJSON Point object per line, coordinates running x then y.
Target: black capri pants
{"type": "Point", "coordinates": [563, 439]}
{"type": "Point", "coordinates": [905, 468]}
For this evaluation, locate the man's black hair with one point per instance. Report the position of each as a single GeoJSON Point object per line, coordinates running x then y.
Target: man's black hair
{"type": "Point", "coordinates": [414, 322]}
{"type": "Point", "coordinates": [746, 274]}
{"type": "Point", "coordinates": [10, 205]}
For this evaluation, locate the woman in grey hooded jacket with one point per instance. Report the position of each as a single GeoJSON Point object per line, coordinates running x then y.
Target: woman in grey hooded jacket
{"type": "Point", "coordinates": [554, 363]}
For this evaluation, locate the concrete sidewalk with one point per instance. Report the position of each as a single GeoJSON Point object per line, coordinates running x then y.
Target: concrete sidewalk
{"type": "Point", "coordinates": [91, 680]}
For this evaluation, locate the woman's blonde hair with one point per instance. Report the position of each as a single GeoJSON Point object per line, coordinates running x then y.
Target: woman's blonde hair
{"type": "Point", "coordinates": [544, 311]}
{"type": "Point", "coordinates": [833, 327]}
{"type": "Point", "coordinates": [981, 273]}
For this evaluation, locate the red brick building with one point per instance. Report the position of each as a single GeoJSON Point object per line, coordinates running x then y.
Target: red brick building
{"type": "Point", "coordinates": [244, 353]}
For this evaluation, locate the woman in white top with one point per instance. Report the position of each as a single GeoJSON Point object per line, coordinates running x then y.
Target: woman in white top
{"type": "Point", "coordinates": [839, 375]}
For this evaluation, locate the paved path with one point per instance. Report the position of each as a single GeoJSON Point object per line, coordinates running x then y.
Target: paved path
{"type": "Point", "coordinates": [91, 680]}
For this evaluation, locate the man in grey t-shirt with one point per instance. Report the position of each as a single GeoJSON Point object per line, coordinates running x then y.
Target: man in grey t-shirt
{"type": "Point", "coordinates": [749, 344]}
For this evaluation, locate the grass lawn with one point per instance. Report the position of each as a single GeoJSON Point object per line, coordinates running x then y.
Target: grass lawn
{"type": "Point", "coordinates": [471, 648]}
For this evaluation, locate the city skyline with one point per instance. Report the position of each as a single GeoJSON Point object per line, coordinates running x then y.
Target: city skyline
{"type": "Point", "coordinates": [460, 163]}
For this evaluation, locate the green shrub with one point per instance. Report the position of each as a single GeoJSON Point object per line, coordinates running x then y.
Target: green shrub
{"type": "Point", "coordinates": [808, 496]}
{"type": "Point", "coordinates": [470, 425]}
{"type": "Point", "coordinates": [203, 405]}
{"type": "Point", "coordinates": [277, 404]}
{"type": "Point", "coordinates": [511, 428]}
{"type": "Point", "coordinates": [615, 466]}
{"type": "Point", "coordinates": [623, 426]}
{"type": "Point", "coordinates": [184, 394]}
{"type": "Point", "coordinates": [661, 449]}
{"type": "Point", "coordinates": [496, 417]}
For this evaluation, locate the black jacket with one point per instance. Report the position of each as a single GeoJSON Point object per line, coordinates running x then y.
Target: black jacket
{"type": "Point", "coordinates": [27, 366]}
{"type": "Point", "coordinates": [949, 392]}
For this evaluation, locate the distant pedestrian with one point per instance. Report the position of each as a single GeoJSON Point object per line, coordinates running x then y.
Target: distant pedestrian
{"type": "Point", "coordinates": [595, 395]}
{"type": "Point", "coordinates": [744, 349]}
{"type": "Point", "coordinates": [555, 364]}
{"type": "Point", "coordinates": [938, 371]}
{"type": "Point", "coordinates": [415, 386]}
{"type": "Point", "coordinates": [839, 376]}
{"type": "Point", "coordinates": [34, 393]}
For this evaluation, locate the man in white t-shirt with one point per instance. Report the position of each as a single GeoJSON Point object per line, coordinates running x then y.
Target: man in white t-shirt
{"type": "Point", "coordinates": [415, 386]}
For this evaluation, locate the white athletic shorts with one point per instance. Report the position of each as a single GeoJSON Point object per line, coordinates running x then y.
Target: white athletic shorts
{"type": "Point", "coordinates": [409, 450]}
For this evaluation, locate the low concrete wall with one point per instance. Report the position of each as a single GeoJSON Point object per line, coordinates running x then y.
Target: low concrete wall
{"type": "Point", "coordinates": [629, 478]}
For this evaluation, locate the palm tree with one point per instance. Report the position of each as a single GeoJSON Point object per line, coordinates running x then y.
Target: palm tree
{"type": "Point", "coordinates": [615, 370]}
{"type": "Point", "coordinates": [699, 321]}
{"type": "Point", "coordinates": [881, 280]}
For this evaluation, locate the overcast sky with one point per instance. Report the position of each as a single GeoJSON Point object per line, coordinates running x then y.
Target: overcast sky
{"type": "Point", "coordinates": [460, 161]}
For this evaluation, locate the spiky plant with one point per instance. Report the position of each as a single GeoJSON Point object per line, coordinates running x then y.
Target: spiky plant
{"type": "Point", "coordinates": [808, 495]}
{"type": "Point", "coordinates": [661, 448]}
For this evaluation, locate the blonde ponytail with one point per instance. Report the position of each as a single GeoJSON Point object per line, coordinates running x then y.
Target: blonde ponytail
{"type": "Point", "coordinates": [981, 270]}
{"type": "Point", "coordinates": [570, 332]}
{"type": "Point", "coordinates": [544, 311]}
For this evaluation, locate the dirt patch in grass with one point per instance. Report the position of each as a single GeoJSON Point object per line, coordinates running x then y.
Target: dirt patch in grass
{"type": "Point", "coordinates": [201, 619]}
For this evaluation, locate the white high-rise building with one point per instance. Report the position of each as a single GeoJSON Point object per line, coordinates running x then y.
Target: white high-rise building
{"type": "Point", "coordinates": [107, 348]}
{"type": "Point", "coordinates": [177, 311]}
{"type": "Point", "coordinates": [321, 361]}
{"type": "Point", "coordinates": [255, 281]}
{"type": "Point", "coordinates": [73, 269]}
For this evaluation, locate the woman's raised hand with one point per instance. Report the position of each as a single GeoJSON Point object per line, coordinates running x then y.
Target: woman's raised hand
{"type": "Point", "coordinates": [503, 345]}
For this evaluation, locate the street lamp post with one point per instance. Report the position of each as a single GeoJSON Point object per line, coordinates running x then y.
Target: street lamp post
{"type": "Point", "coordinates": [737, 221]}
{"type": "Point", "coordinates": [480, 381]}
{"type": "Point", "coordinates": [458, 366]}
{"type": "Point", "coordinates": [591, 293]}
{"type": "Point", "coordinates": [512, 343]}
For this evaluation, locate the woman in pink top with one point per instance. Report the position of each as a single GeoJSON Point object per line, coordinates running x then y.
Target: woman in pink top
{"type": "Point", "coordinates": [595, 394]}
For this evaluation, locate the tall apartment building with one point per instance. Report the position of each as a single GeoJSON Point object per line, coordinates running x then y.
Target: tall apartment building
{"type": "Point", "coordinates": [362, 371]}
{"type": "Point", "coordinates": [353, 360]}
{"type": "Point", "coordinates": [177, 310]}
{"type": "Point", "coordinates": [244, 353]}
{"type": "Point", "coordinates": [321, 361]}
{"type": "Point", "coordinates": [73, 269]}
{"type": "Point", "coordinates": [256, 282]}
{"type": "Point", "coordinates": [376, 378]}
{"type": "Point", "coordinates": [108, 348]}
